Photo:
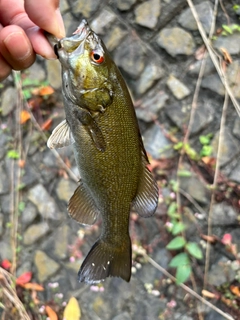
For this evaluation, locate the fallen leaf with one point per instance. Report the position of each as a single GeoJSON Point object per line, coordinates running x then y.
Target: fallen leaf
{"type": "Point", "coordinates": [226, 55]}
{"type": "Point", "coordinates": [208, 294]}
{"type": "Point", "coordinates": [199, 54]}
{"type": "Point", "coordinates": [235, 290]}
{"type": "Point", "coordinates": [43, 91]}
{"type": "Point", "coordinates": [46, 124]}
{"type": "Point", "coordinates": [209, 160]}
{"type": "Point", "coordinates": [21, 163]}
{"type": "Point", "coordinates": [24, 116]}
{"type": "Point", "coordinates": [6, 264]}
{"type": "Point", "coordinates": [33, 286]}
{"type": "Point", "coordinates": [210, 239]}
{"type": "Point", "coordinates": [72, 310]}
{"type": "Point", "coordinates": [51, 313]}
{"type": "Point", "coordinates": [24, 278]}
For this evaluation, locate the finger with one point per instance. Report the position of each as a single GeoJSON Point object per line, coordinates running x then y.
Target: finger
{"type": "Point", "coordinates": [16, 48]}
{"type": "Point", "coordinates": [46, 15]}
{"type": "Point", "coordinates": [5, 68]}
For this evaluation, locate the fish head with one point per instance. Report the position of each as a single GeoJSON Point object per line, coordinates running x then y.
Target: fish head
{"type": "Point", "coordinates": [85, 65]}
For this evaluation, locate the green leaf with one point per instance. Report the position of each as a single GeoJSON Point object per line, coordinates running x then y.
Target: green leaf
{"type": "Point", "coordinates": [206, 151]}
{"type": "Point", "coordinates": [172, 208]}
{"type": "Point", "coordinates": [204, 140]}
{"type": "Point", "coordinates": [178, 146]}
{"type": "Point", "coordinates": [179, 260]}
{"type": "Point", "coordinates": [176, 243]}
{"type": "Point", "coordinates": [183, 273]}
{"type": "Point", "coordinates": [194, 250]}
{"type": "Point", "coordinates": [177, 228]}
{"type": "Point", "coordinates": [227, 28]}
{"type": "Point", "coordinates": [184, 173]}
{"type": "Point", "coordinates": [13, 154]}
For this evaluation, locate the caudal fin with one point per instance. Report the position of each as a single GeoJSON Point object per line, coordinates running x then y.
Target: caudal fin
{"type": "Point", "coordinates": [107, 260]}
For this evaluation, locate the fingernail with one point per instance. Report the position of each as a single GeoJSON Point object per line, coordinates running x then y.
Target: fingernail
{"type": "Point", "coordinates": [18, 46]}
{"type": "Point", "coordinates": [61, 29]}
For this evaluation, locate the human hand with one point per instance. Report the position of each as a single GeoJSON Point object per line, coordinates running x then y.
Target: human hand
{"type": "Point", "coordinates": [21, 32]}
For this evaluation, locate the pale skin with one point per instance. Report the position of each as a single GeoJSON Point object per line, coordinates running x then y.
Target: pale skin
{"type": "Point", "coordinates": [21, 32]}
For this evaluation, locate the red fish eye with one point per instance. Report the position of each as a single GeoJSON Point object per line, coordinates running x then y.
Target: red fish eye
{"type": "Point", "coordinates": [97, 57]}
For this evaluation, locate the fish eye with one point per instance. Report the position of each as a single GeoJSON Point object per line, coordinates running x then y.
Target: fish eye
{"type": "Point", "coordinates": [97, 57]}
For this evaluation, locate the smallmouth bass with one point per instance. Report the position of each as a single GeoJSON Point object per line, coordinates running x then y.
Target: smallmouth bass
{"type": "Point", "coordinates": [102, 127]}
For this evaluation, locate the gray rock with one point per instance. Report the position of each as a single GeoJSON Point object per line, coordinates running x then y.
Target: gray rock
{"type": "Point", "coordinates": [102, 21]}
{"type": "Point", "coordinates": [229, 147]}
{"type": "Point", "coordinates": [150, 74]}
{"type": "Point", "coordinates": [231, 43]}
{"type": "Point", "coordinates": [35, 232]}
{"type": "Point", "coordinates": [6, 204]}
{"type": "Point", "coordinates": [65, 189]}
{"type": "Point", "coordinates": [178, 89]}
{"type": "Point", "coordinates": [45, 204]}
{"type": "Point", "coordinates": [9, 100]}
{"type": "Point", "coordinates": [157, 144]}
{"type": "Point", "coordinates": [61, 242]}
{"type": "Point", "coordinates": [3, 143]}
{"type": "Point", "coordinates": [131, 56]}
{"type": "Point", "coordinates": [124, 5]}
{"type": "Point", "coordinates": [122, 316]}
{"type": "Point", "coordinates": [30, 176]}
{"type": "Point", "coordinates": [29, 214]}
{"type": "Point", "coordinates": [176, 41]}
{"type": "Point", "coordinates": [25, 266]}
{"type": "Point", "coordinates": [194, 68]}
{"type": "Point", "coordinates": [86, 7]}
{"type": "Point", "coordinates": [223, 214]}
{"type": "Point", "coordinates": [194, 186]}
{"type": "Point", "coordinates": [221, 272]}
{"type": "Point", "coordinates": [151, 105]}
{"type": "Point", "coordinates": [35, 73]}
{"type": "Point", "coordinates": [114, 37]}
{"type": "Point", "coordinates": [236, 128]}
{"type": "Point", "coordinates": [54, 73]}
{"type": "Point", "coordinates": [147, 13]}
{"type": "Point", "coordinates": [1, 224]}
{"type": "Point", "coordinates": [205, 14]}
{"type": "Point", "coordinates": [6, 250]}
{"type": "Point", "coordinates": [64, 6]}
{"type": "Point", "coordinates": [4, 180]}
{"type": "Point", "coordinates": [178, 315]}
{"type": "Point", "coordinates": [235, 174]}
{"type": "Point", "coordinates": [46, 266]}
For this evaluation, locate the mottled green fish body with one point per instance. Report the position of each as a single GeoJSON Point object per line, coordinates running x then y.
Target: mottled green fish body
{"type": "Point", "coordinates": [102, 126]}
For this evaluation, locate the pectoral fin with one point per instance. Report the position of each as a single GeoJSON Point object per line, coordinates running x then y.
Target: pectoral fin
{"type": "Point", "coordinates": [146, 200]}
{"type": "Point", "coordinates": [81, 206]}
{"type": "Point", "coordinates": [61, 136]}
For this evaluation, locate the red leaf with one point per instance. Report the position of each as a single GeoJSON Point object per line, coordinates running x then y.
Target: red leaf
{"type": "Point", "coordinates": [51, 313]}
{"type": "Point", "coordinates": [6, 264]}
{"type": "Point", "coordinates": [46, 125]}
{"type": "Point", "coordinates": [24, 278]}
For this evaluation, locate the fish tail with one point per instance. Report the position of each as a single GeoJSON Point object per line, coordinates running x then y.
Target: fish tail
{"type": "Point", "coordinates": [106, 259]}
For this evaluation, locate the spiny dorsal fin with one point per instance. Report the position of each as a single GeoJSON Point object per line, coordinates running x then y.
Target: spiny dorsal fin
{"type": "Point", "coordinates": [81, 206]}
{"type": "Point", "coordinates": [61, 136]}
{"type": "Point", "coordinates": [146, 200]}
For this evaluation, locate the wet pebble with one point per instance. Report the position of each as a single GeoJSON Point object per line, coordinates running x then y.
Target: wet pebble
{"type": "Point", "coordinates": [178, 89]}
{"type": "Point", "coordinates": [9, 101]}
{"type": "Point", "coordinates": [45, 204]}
{"type": "Point", "coordinates": [46, 267]}
{"type": "Point", "coordinates": [147, 13]}
{"type": "Point", "coordinates": [35, 232]}
{"type": "Point", "coordinates": [176, 41]}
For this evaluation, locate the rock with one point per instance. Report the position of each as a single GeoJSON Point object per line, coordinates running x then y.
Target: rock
{"type": "Point", "coordinates": [130, 56]}
{"type": "Point", "coordinates": [54, 73]}
{"type": "Point", "coordinates": [45, 204]}
{"type": "Point", "coordinates": [30, 176]}
{"type": "Point", "coordinates": [122, 316]}
{"type": "Point", "coordinates": [5, 204]}
{"type": "Point", "coordinates": [114, 37]}
{"type": "Point", "coordinates": [229, 147]}
{"type": "Point", "coordinates": [181, 316]}
{"type": "Point", "coordinates": [9, 101]}
{"type": "Point", "coordinates": [1, 224]}
{"type": "Point", "coordinates": [46, 267]}
{"type": "Point", "coordinates": [235, 174]}
{"type": "Point", "coordinates": [179, 90]}
{"type": "Point", "coordinates": [221, 272]}
{"type": "Point", "coordinates": [205, 14]}
{"type": "Point", "coordinates": [4, 139]}
{"type": "Point", "coordinates": [176, 41]}
{"type": "Point", "coordinates": [180, 115]}
{"type": "Point", "coordinates": [65, 189]}
{"type": "Point", "coordinates": [194, 68]}
{"type": "Point", "coordinates": [151, 74]}
{"type": "Point", "coordinates": [61, 242]}
{"type": "Point", "coordinates": [35, 232]}
{"type": "Point", "coordinates": [29, 214]}
{"type": "Point", "coordinates": [147, 13]}
{"type": "Point", "coordinates": [231, 43]}
{"type": "Point", "coordinates": [189, 183]}
{"type": "Point", "coordinates": [223, 215]}
{"type": "Point", "coordinates": [64, 6]}
{"type": "Point", "coordinates": [151, 105]}
{"type": "Point", "coordinates": [236, 128]}
{"type": "Point", "coordinates": [25, 266]}
{"type": "Point", "coordinates": [4, 180]}
{"type": "Point", "coordinates": [105, 19]}
{"type": "Point", "coordinates": [6, 250]}
{"type": "Point", "coordinates": [35, 74]}
{"type": "Point", "coordinates": [157, 144]}
{"type": "Point", "coordinates": [85, 7]}
{"type": "Point", "coordinates": [124, 5]}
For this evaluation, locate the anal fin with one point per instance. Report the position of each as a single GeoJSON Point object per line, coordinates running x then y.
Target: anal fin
{"type": "Point", "coordinates": [146, 201]}
{"type": "Point", "coordinates": [61, 136]}
{"type": "Point", "coordinates": [81, 206]}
